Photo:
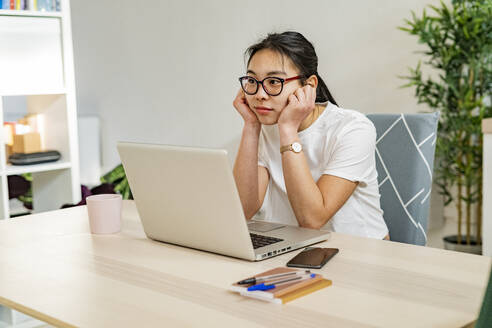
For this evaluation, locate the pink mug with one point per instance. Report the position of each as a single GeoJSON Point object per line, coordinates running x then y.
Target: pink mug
{"type": "Point", "coordinates": [104, 213]}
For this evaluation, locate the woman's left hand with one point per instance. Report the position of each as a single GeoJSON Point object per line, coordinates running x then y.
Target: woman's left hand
{"type": "Point", "coordinates": [300, 104]}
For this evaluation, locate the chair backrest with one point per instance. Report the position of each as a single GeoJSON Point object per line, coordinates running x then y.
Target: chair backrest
{"type": "Point", "coordinates": [404, 160]}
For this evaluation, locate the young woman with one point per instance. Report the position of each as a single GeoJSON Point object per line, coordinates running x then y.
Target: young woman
{"type": "Point", "coordinates": [302, 159]}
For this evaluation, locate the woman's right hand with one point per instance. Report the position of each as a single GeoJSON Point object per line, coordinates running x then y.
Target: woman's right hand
{"type": "Point", "coordinates": [242, 107]}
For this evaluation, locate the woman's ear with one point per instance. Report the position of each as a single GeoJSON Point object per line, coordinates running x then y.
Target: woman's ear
{"type": "Point", "coordinates": [312, 81]}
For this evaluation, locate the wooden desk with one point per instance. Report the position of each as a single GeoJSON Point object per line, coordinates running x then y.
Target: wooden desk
{"type": "Point", "coordinates": [53, 269]}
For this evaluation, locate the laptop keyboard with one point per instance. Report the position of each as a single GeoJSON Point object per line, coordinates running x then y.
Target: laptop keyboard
{"type": "Point", "coordinates": [261, 241]}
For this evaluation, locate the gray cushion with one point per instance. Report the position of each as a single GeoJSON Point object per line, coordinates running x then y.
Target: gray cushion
{"type": "Point", "coordinates": [404, 161]}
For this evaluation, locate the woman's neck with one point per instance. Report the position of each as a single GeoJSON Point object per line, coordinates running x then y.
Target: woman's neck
{"type": "Point", "coordinates": [312, 117]}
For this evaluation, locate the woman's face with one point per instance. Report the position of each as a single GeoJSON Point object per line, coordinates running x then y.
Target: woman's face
{"type": "Point", "coordinates": [268, 63]}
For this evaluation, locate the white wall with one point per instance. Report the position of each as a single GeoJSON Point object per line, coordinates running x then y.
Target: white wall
{"type": "Point", "coordinates": [166, 71]}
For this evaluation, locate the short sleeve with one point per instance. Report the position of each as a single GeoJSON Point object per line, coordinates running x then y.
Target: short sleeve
{"type": "Point", "coordinates": [353, 155]}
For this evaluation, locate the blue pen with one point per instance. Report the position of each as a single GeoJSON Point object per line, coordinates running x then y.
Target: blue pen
{"type": "Point", "coordinates": [264, 286]}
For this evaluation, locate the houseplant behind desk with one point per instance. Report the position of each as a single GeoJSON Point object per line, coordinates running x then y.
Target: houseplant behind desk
{"type": "Point", "coordinates": [459, 47]}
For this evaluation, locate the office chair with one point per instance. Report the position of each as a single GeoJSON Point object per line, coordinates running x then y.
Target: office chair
{"type": "Point", "coordinates": [404, 161]}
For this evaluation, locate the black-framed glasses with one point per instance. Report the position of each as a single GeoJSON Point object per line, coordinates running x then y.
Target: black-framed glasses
{"type": "Point", "coordinates": [273, 86]}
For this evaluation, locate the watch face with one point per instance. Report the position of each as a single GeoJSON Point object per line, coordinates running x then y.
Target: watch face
{"type": "Point", "coordinates": [296, 147]}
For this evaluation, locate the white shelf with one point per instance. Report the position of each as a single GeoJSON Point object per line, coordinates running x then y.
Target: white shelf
{"type": "Point", "coordinates": [33, 92]}
{"type": "Point", "coordinates": [38, 65]}
{"type": "Point", "coordinates": [29, 13]}
{"type": "Point", "coordinates": [21, 169]}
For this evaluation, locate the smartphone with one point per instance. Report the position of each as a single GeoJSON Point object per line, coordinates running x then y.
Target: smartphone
{"type": "Point", "coordinates": [312, 257]}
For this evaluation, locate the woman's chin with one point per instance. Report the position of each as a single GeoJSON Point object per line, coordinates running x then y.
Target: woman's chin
{"type": "Point", "coordinates": [269, 123]}
{"type": "Point", "coordinates": [268, 120]}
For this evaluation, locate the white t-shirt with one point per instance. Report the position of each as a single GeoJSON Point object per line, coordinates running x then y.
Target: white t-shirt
{"type": "Point", "coordinates": [342, 143]}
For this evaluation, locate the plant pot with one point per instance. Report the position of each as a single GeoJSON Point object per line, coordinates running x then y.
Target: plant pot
{"type": "Point", "coordinates": [451, 243]}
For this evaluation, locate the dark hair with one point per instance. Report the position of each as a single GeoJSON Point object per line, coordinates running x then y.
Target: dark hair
{"type": "Point", "coordinates": [296, 47]}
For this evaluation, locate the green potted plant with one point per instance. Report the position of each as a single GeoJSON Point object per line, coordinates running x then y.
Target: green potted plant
{"type": "Point", "coordinates": [458, 51]}
{"type": "Point", "coordinates": [117, 177]}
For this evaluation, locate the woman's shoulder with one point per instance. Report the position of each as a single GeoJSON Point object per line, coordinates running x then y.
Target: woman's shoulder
{"type": "Point", "coordinates": [343, 119]}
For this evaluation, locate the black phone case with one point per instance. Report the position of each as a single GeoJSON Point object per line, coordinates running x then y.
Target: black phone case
{"type": "Point", "coordinates": [312, 258]}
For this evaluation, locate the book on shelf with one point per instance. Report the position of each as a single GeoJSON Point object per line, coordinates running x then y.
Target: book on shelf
{"type": "Point", "coordinates": [34, 5]}
{"type": "Point", "coordinates": [285, 291]}
{"type": "Point", "coordinates": [48, 5]}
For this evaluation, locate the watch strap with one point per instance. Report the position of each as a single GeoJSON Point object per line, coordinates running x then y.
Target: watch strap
{"type": "Point", "coordinates": [285, 148]}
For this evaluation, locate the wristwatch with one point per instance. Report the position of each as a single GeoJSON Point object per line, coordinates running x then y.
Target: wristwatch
{"type": "Point", "coordinates": [295, 147]}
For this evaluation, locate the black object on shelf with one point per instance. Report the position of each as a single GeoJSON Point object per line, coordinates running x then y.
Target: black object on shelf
{"type": "Point", "coordinates": [34, 158]}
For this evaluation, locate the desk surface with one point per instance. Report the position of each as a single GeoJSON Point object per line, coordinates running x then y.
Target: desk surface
{"type": "Point", "coordinates": [52, 268]}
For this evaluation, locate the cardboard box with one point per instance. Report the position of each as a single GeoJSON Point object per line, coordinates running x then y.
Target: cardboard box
{"type": "Point", "coordinates": [8, 151]}
{"type": "Point", "coordinates": [27, 143]}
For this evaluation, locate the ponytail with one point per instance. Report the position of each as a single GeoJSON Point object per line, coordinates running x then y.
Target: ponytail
{"type": "Point", "coordinates": [322, 92]}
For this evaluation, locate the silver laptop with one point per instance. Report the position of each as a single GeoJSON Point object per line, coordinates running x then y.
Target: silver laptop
{"type": "Point", "coordinates": [187, 196]}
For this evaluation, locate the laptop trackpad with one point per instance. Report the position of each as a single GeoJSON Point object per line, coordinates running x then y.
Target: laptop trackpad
{"type": "Point", "coordinates": [260, 226]}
